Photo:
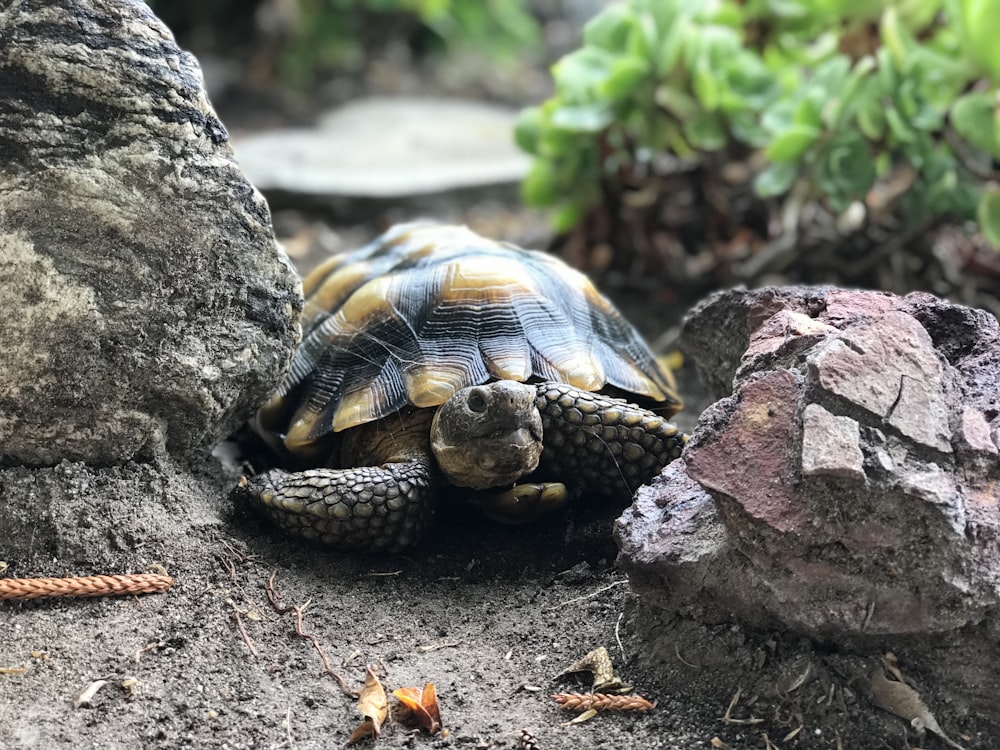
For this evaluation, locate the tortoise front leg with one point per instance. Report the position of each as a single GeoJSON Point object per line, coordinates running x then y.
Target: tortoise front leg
{"type": "Point", "coordinates": [370, 508]}
{"type": "Point", "coordinates": [602, 445]}
{"type": "Point", "coordinates": [382, 503]}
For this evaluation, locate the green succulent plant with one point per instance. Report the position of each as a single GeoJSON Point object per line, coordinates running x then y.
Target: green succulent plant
{"type": "Point", "coordinates": [837, 96]}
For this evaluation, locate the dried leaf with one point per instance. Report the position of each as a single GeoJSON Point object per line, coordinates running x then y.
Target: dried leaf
{"type": "Point", "coordinates": [602, 702]}
{"type": "Point", "coordinates": [84, 698]}
{"type": "Point", "coordinates": [587, 715]}
{"type": "Point", "coordinates": [364, 730]}
{"type": "Point", "coordinates": [891, 693]}
{"type": "Point", "coordinates": [373, 705]}
{"type": "Point", "coordinates": [598, 663]}
{"type": "Point", "coordinates": [423, 705]}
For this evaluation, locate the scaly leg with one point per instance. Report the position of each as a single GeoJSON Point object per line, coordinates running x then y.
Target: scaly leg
{"type": "Point", "coordinates": [369, 508]}
{"type": "Point", "coordinates": [602, 445]}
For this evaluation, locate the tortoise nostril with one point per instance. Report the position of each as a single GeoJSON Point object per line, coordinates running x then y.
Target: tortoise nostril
{"type": "Point", "coordinates": [476, 402]}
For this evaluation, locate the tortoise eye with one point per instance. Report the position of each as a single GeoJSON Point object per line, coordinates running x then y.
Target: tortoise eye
{"type": "Point", "coordinates": [476, 402]}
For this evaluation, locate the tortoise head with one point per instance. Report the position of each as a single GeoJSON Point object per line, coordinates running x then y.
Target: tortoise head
{"type": "Point", "coordinates": [488, 435]}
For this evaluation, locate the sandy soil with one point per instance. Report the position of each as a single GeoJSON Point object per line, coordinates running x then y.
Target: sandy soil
{"type": "Point", "coordinates": [490, 614]}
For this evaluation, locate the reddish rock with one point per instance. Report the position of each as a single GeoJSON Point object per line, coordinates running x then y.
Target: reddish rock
{"type": "Point", "coordinates": [846, 484]}
{"type": "Point", "coordinates": [830, 445]}
{"type": "Point", "coordinates": [888, 366]}
{"type": "Point", "coordinates": [749, 462]}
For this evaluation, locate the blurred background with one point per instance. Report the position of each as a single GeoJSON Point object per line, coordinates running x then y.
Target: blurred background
{"type": "Point", "coordinates": [666, 147]}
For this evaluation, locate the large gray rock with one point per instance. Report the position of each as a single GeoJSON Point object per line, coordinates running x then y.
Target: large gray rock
{"type": "Point", "coordinates": [146, 301]}
{"type": "Point", "coordinates": [148, 308]}
{"type": "Point", "coordinates": [849, 486]}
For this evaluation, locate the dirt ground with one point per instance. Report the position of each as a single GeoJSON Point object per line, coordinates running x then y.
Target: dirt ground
{"type": "Point", "coordinates": [490, 614]}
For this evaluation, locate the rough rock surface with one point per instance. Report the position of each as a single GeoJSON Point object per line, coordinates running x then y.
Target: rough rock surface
{"type": "Point", "coordinates": [848, 489]}
{"type": "Point", "coordinates": [147, 301]}
{"type": "Point", "coordinates": [854, 471]}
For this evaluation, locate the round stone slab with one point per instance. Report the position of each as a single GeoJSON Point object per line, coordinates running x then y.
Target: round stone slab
{"type": "Point", "coordinates": [385, 148]}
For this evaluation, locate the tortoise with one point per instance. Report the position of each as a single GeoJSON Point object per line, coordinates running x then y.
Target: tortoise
{"type": "Point", "coordinates": [434, 356]}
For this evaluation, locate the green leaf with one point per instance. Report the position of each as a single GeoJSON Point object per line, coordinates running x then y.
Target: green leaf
{"type": "Point", "coordinates": [527, 129]}
{"type": "Point", "coordinates": [906, 99]}
{"type": "Point", "coordinates": [750, 83]}
{"type": "Point", "coordinates": [988, 215]}
{"type": "Point", "coordinates": [746, 129]}
{"type": "Point", "coordinates": [903, 132]}
{"type": "Point", "coordinates": [886, 70]}
{"type": "Point", "coordinates": [848, 170]}
{"type": "Point", "coordinates": [567, 216]}
{"type": "Point", "coordinates": [705, 84]}
{"type": "Point", "coordinates": [672, 45]}
{"type": "Point", "coordinates": [578, 74]}
{"type": "Point", "coordinates": [871, 119]}
{"type": "Point", "coordinates": [896, 38]}
{"type": "Point", "coordinates": [981, 20]}
{"type": "Point", "coordinates": [706, 132]}
{"type": "Point", "coordinates": [974, 117]}
{"type": "Point", "coordinates": [643, 40]}
{"type": "Point", "coordinates": [787, 8]}
{"type": "Point", "coordinates": [665, 13]}
{"type": "Point", "coordinates": [610, 29]}
{"type": "Point", "coordinates": [928, 118]}
{"type": "Point", "coordinates": [831, 75]}
{"type": "Point", "coordinates": [807, 114]}
{"type": "Point", "coordinates": [539, 186]}
{"type": "Point", "coordinates": [775, 179]}
{"type": "Point", "coordinates": [779, 117]}
{"type": "Point", "coordinates": [677, 101]}
{"type": "Point", "coordinates": [883, 164]}
{"type": "Point", "coordinates": [626, 74]}
{"type": "Point", "coordinates": [583, 118]}
{"type": "Point", "coordinates": [791, 144]}
{"type": "Point", "coordinates": [727, 14]}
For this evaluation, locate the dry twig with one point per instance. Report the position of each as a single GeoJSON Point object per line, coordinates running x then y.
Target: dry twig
{"type": "Point", "coordinates": [274, 597]}
{"type": "Point", "coordinates": [728, 718]}
{"type": "Point", "coordinates": [602, 702]}
{"type": "Point", "coordinates": [438, 646]}
{"type": "Point", "coordinates": [243, 632]}
{"type": "Point", "coordinates": [80, 586]}
{"type": "Point", "coordinates": [591, 595]}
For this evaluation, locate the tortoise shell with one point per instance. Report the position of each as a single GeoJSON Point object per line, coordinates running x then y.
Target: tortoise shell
{"type": "Point", "coordinates": [425, 310]}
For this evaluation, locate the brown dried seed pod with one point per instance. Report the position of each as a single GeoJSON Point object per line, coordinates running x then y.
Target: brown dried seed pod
{"type": "Point", "coordinates": [602, 702]}
{"type": "Point", "coordinates": [118, 585]}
